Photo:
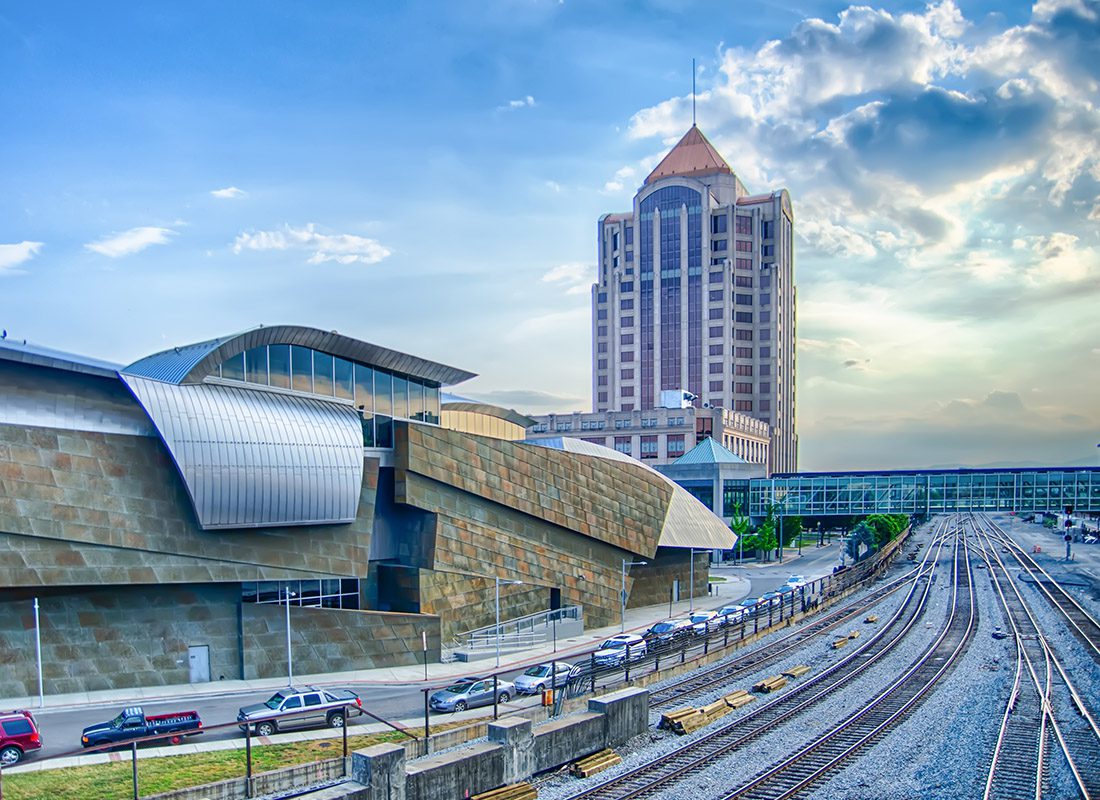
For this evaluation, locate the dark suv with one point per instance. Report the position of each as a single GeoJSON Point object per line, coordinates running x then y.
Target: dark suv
{"type": "Point", "coordinates": [18, 734]}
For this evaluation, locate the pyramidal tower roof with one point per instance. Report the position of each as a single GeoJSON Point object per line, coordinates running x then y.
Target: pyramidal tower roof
{"type": "Point", "coordinates": [709, 451]}
{"type": "Point", "coordinates": [692, 156]}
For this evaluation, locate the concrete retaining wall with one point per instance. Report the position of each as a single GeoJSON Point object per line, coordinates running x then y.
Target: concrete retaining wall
{"type": "Point", "coordinates": [513, 753]}
{"type": "Point", "coordinates": [264, 783]}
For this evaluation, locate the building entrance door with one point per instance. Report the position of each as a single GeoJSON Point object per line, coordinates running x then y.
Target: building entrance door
{"type": "Point", "coordinates": [198, 657]}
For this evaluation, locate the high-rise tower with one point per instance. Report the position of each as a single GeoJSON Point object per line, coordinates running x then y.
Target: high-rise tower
{"type": "Point", "coordinates": [696, 292]}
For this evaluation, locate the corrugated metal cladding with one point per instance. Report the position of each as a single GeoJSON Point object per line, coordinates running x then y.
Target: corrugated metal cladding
{"type": "Point", "coordinates": [258, 458]}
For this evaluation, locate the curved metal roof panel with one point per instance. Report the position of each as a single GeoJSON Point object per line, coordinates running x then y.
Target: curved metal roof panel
{"type": "Point", "coordinates": [251, 457]}
{"type": "Point", "coordinates": [37, 355]}
{"type": "Point", "coordinates": [507, 414]}
{"type": "Point", "coordinates": [191, 363]}
{"type": "Point", "coordinates": [688, 523]}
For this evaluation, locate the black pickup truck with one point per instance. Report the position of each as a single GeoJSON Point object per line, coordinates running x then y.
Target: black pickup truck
{"type": "Point", "coordinates": [133, 724]}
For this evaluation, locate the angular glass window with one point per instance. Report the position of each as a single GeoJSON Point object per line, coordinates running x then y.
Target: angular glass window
{"type": "Point", "coordinates": [431, 404]}
{"type": "Point", "coordinates": [278, 360]}
{"type": "Point", "coordinates": [233, 368]}
{"type": "Point", "coordinates": [400, 398]}
{"type": "Point", "coordinates": [301, 368]}
{"type": "Point", "coordinates": [322, 373]}
{"type": "Point", "coordinates": [383, 432]}
{"type": "Point", "coordinates": [383, 393]}
{"type": "Point", "coordinates": [416, 400]}
{"type": "Point", "coordinates": [344, 374]}
{"type": "Point", "coordinates": [364, 389]}
{"type": "Point", "coordinates": [255, 365]}
{"type": "Point", "coordinates": [368, 432]}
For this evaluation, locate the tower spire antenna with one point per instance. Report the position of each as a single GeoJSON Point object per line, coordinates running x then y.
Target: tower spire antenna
{"type": "Point", "coordinates": [693, 92]}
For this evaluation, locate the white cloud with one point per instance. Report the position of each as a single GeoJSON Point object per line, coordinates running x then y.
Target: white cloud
{"type": "Point", "coordinates": [132, 241]}
{"type": "Point", "coordinates": [229, 193]}
{"type": "Point", "coordinates": [523, 102]}
{"type": "Point", "coordinates": [343, 248]}
{"type": "Point", "coordinates": [12, 255]}
{"type": "Point", "coordinates": [553, 186]}
{"type": "Point", "coordinates": [575, 277]}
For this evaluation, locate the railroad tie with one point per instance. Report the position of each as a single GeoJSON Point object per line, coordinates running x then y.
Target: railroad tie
{"type": "Point", "coordinates": [770, 684]}
{"type": "Point", "coordinates": [796, 672]}
{"type": "Point", "coordinates": [590, 765]}
{"type": "Point", "coordinates": [839, 643]}
{"type": "Point", "coordinates": [871, 618]}
{"type": "Point", "coordinates": [515, 791]}
{"type": "Point", "coordinates": [738, 698]}
{"type": "Point", "coordinates": [853, 635]}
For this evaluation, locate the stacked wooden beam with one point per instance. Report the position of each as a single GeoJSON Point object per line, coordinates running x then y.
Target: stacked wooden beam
{"type": "Point", "coordinates": [770, 684]}
{"type": "Point", "coordinates": [516, 791]}
{"type": "Point", "coordinates": [597, 762]}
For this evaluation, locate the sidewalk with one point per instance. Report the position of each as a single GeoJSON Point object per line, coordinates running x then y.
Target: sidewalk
{"type": "Point", "coordinates": [637, 619]}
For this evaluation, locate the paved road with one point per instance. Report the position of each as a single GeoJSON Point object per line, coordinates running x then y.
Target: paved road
{"type": "Point", "coordinates": [61, 728]}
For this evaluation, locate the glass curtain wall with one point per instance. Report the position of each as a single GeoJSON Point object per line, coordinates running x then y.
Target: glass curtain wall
{"type": "Point", "coordinates": [379, 395]}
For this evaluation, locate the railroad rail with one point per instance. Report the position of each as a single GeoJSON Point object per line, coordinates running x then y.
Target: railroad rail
{"type": "Point", "coordinates": [1044, 703]}
{"type": "Point", "coordinates": [833, 749]}
{"type": "Point", "coordinates": [1081, 622]}
{"type": "Point", "coordinates": [703, 680]}
{"type": "Point", "coordinates": [660, 774]}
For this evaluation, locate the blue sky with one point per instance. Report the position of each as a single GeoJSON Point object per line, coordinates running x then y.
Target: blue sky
{"type": "Point", "coordinates": [428, 177]}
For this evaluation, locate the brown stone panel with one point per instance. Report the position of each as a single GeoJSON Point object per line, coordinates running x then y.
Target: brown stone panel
{"type": "Point", "coordinates": [117, 638]}
{"type": "Point", "coordinates": [333, 640]}
{"type": "Point", "coordinates": [616, 502]}
{"type": "Point", "coordinates": [653, 582]}
{"type": "Point", "coordinates": [123, 492]}
{"type": "Point", "coordinates": [483, 538]}
{"type": "Point", "coordinates": [466, 602]}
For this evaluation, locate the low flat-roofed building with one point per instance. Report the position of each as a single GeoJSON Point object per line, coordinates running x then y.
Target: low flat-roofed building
{"type": "Point", "coordinates": [660, 435]}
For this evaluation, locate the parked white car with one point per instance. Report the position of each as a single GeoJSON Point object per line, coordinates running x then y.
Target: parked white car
{"type": "Point", "coordinates": [613, 652]}
{"type": "Point", "coordinates": [539, 678]}
{"type": "Point", "coordinates": [702, 621]}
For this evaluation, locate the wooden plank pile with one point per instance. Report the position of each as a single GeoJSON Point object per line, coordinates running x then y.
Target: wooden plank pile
{"type": "Point", "coordinates": [770, 684]}
{"type": "Point", "coordinates": [516, 791]}
{"type": "Point", "coordinates": [687, 720]}
{"type": "Point", "coordinates": [796, 672]}
{"type": "Point", "coordinates": [597, 762]}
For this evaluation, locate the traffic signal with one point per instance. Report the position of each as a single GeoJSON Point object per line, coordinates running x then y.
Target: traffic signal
{"type": "Point", "coordinates": [1069, 509]}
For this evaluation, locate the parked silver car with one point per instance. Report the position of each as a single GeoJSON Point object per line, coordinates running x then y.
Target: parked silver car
{"type": "Point", "coordinates": [539, 678]}
{"type": "Point", "coordinates": [470, 693]}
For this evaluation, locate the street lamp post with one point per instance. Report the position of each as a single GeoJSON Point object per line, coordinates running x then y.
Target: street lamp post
{"type": "Point", "coordinates": [820, 539]}
{"type": "Point", "coordinates": [38, 652]}
{"type": "Point", "coordinates": [506, 583]}
{"type": "Point", "coordinates": [622, 591]}
{"type": "Point", "coordinates": [780, 522]}
{"type": "Point", "coordinates": [691, 581]}
{"type": "Point", "coordinates": [289, 654]}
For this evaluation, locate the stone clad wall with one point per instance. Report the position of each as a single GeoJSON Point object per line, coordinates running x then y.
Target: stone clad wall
{"type": "Point", "coordinates": [611, 501]}
{"type": "Point", "coordinates": [117, 502]}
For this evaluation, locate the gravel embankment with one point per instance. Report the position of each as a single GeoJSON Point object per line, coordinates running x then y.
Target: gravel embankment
{"type": "Point", "coordinates": [744, 763]}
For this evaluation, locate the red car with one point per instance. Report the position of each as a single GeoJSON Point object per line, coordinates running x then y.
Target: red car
{"type": "Point", "coordinates": [18, 734]}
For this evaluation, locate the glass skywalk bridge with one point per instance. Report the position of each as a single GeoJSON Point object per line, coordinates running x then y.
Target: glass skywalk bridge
{"type": "Point", "coordinates": [927, 491]}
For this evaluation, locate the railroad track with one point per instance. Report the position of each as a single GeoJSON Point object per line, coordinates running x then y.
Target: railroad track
{"type": "Point", "coordinates": [703, 680]}
{"type": "Point", "coordinates": [1081, 622]}
{"type": "Point", "coordinates": [832, 750]}
{"type": "Point", "coordinates": [1044, 704]}
{"type": "Point", "coordinates": [659, 775]}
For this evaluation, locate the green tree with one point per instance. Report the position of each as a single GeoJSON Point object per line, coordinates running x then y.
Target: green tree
{"type": "Point", "coordinates": [887, 527]}
{"type": "Point", "coordinates": [740, 525]}
{"type": "Point", "coordinates": [862, 536]}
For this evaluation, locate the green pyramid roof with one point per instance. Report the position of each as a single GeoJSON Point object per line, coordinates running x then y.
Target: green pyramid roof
{"type": "Point", "coordinates": [709, 451]}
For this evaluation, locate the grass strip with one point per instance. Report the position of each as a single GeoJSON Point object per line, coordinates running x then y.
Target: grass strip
{"type": "Point", "coordinates": [112, 781]}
